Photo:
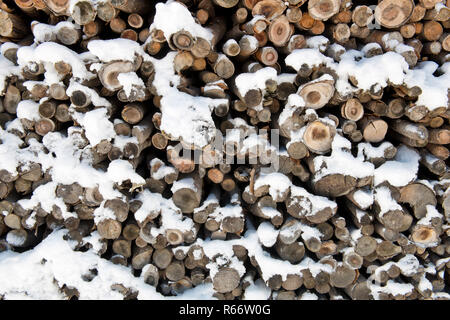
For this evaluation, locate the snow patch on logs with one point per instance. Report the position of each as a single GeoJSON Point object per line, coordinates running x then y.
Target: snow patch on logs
{"type": "Point", "coordinates": [387, 68]}
{"type": "Point", "coordinates": [341, 161]}
{"type": "Point", "coordinates": [400, 171]}
{"type": "Point", "coordinates": [25, 276]}
{"type": "Point", "coordinates": [96, 125]}
{"type": "Point", "coordinates": [164, 21]}
{"type": "Point", "coordinates": [50, 53]}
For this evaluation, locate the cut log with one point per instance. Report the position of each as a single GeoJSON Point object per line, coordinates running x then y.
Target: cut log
{"type": "Point", "coordinates": [373, 129]}
{"type": "Point", "coordinates": [68, 35]}
{"type": "Point", "coordinates": [175, 271]}
{"type": "Point", "coordinates": [231, 48]}
{"type": "Point", "coordinates": [162, 258]}
{"type": "Point", "coordinates": [150, 274]}
{"type": "Point", "coordinates": [269, 8]}
{"type": "Point", "coordinates": [316, 94]}
{"type": "Point", "coordinates": [83, 12]}
{"type": "Point", "coordinates": [438, 151]}
{"type": "Point", "coordinates": [318, 137]}
{"type": "Point", "coordinates": [432, 30]}
{"type": "Point", "coordinates": [362, 16]}
{"type": "Point", "coordinates": [106, 11]}
{"type": "Point", "coordinates": [439, 136]}
{"type": "Point", "coordinates": [12, 26]}
{"type": "Point", "coordinates": [109, 229]}
{"type": "Point", "coordinates": [323, 9]}
{"type": "Point", "coordinates": [226, 3]}
{"type": "Point", "coordinates": [122, 247]}
{"type": "Point", "coordinates": [267, 55]}
{"type": "Point", "coordinates": [187, 193]}
{"type": "Point", "coordinates": [47, 109]}
{"type": "Point", "coordinates": [343, 276]}
{"type": "Point", "coordinates": [432, 163]}
{"type": "Point", "coordinates": [135, 20]}
{"type": "Point", "coordinates": [280, 31]}
{"type": "Point", "coordinates": [117, 25]}
{"type": "Point", "coordinates": [226, 280]}
{"type": "Point", "coordinates": [293, 252]}
{"type": "Point", "coordinates": [44, 126]}
{"type": "Point", "coordinates": [418, 196]}
{"type": "Point", "coordinates": [109, 72]}
{"type": "Point", "coordinates": [141, 257]}
{"type": "Point", "coordinates": [393, 13]}
{"type": "Point", "coordinates": [352, 109]}
{"type": "Point", "coordinates": [133, 113]}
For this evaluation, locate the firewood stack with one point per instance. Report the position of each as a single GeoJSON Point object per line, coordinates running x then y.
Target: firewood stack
{"type": "Point", "coordinates": [150, 126]}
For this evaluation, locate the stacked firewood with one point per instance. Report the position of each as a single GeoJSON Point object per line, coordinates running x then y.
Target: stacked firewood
{"type": "Point", "coordinates": [299, 147]}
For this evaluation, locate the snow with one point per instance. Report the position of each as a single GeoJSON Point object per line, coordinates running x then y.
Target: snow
{"type": "Point", "coordinates": [267, 234]}
{"type": "Point", "coordinates": [91, 93]}
{"type": "Point", "coordinates": [317, 42]}
{"type": "Point", "coordinates": [43, 32]}
{"type": "Point", "coordinates": [308, 56]}
{"type": "Point", "coordinates": [409, 265]}
{"type": "Point", "coordinates": [257, 291]}
{"type": "Point", "coordinates": [68, 158]}
{"type": "Point", "coordinates": [392, 287]}
{"type": "Point", "coordinates": [387, 68]}
{"type": "Point", "coordinates": [286, 77]}
{"type": "Point", "coordinates": [370, 46]}
{"type": "Point", "coordinates": [101, 213]}
{"type": "Point", "coordinates": [45, 196]}
{"type": "Point", "coordinates": [342, 161]}
{"type": "Point", "coordinates": [185, 183]}
{"type": "Point", "coordinates": [431, 213]}
{"type": "Point", "coordinates": [317, 203]}
{"type": "Point", "coordinates": [364, 198]}
{"type": "Point", "coordinates": [309, 232]}
{"type": "Point", "coordinates": [164, 21]}
{"type": "Point", "coordinates": [385, 201]}
{"type": "Point", "coordinates": [128, 80]}
{"type": "Point", "coordinates": [183, 116]}
{"type": "Point", "coordinates": [152, 205]}
{"type": "Point", "coordinates": [121, 170]}
{"type": "Point", "coordinates": [434, 89]}
{"type": "Point", "coordinates": [294, 102]}
{"type": "Point", "coordinates": [96, 125]}
{"type": "Point", "coordinates": [308, 295]}
{"type": "Point", "coordinates": [7, 69]}
{"type": "Point", "coordinates": [369, 151]}
{"type": "Point", "coordinates": [400, 171]}
{"type": "Point", "coordinates": [115, 49]}
{"type": "Point", "coordinates": [162, 171]}
{"type": "Point", "coordinates": [49, 53]}
{"type": "Point", "coordinates": [41, 272]}
{"type": "Point", "coordinates": [230, 210]}
{"type": "Point", "coordinates": [256, 80]}
{"type": "Point", "coordinates": [28, 109]}
{"type": "Point", "coordinates": [278, 184]}
{"type": "Point", "coordinates": [121, 141]}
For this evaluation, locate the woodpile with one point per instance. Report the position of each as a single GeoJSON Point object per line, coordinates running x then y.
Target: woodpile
{"type": "Point", "coordinates": [299, 148]}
